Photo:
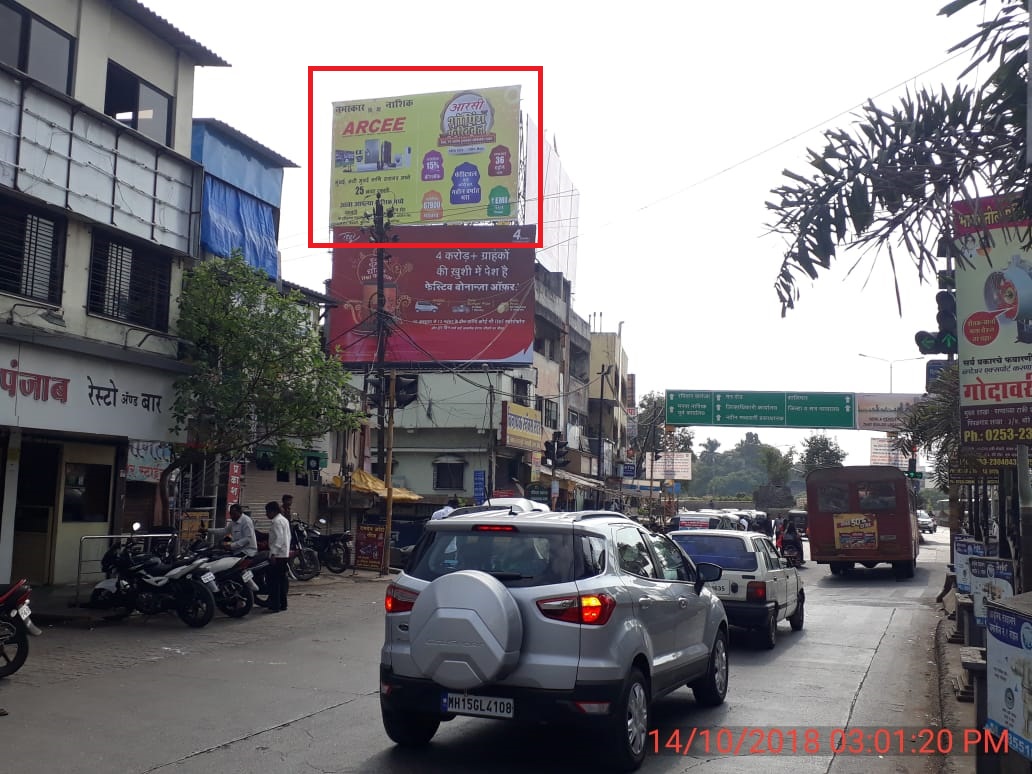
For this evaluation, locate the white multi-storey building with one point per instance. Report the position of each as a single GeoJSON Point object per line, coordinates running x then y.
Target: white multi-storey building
{"type": "Point", "coordinates": [99, 213]}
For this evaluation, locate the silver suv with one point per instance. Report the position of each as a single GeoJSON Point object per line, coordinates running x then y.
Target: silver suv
{"type": "Point", "coordinates": [570, 617]}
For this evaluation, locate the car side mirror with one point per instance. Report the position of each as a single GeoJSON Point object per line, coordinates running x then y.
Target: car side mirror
{"type": "Point", "coordinates": [785, 563]}
{"type": "Point", "coordinates": [707, 572]}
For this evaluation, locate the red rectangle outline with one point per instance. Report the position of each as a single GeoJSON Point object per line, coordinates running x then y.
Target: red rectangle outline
{"type": "Point", "coordinates": [540, 70]}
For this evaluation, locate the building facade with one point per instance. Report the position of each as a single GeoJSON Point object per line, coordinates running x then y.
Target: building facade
{"type": "Point", "coordinates": [99, 216]}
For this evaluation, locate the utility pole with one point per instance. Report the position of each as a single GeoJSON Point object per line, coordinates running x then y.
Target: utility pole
{"type": "Point", "coordinates": [492, 461]}
{"type": "Point", "coordinates": [380, 236]}
{"type": "Point", "coordinates": [603, 373]}
{"type": "Point", "coordinates": [389, 510]}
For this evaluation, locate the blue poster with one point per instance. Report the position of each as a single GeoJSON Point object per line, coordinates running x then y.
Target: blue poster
{"type": "Point", "coordinates": [479, 486]}
{"type": "Point", "coordinates": [1009, 675]}
{"type": "Point", "coordinates": [992, 579]}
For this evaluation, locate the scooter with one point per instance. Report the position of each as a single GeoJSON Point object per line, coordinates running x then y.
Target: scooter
{"type": "Point", "coordinates": [793, 555]}
{"type": "Point", "coordinates": [15, 626]}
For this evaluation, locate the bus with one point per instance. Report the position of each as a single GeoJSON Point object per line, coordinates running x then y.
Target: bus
{"type": "Point", "coordinates": [862, 514]}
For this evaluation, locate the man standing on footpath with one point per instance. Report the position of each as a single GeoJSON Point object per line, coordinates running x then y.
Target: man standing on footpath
{"type": "Point", "coordinates": [239, 532]}
{"type": "Point", "coordinates": [279, 555]}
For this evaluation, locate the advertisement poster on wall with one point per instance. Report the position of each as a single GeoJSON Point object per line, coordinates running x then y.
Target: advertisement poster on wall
{"type": "Point", "coordinates": [447, 157]}
{"type": "Point", "coordinates": [1009, 675]}
{"type": "Point", "coordinates": [994, 327]}
{"type": "Point", "coordinates": [992, 579]}
{"type": "Point", "coordinates": [444, 305]}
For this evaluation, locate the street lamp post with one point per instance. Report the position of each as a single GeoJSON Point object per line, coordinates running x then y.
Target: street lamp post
{"type": "Point", "coordinates": [890, 362]}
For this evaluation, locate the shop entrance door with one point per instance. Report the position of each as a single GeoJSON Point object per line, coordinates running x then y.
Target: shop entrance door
{"type": "Point", "coordinates": [34, 513]}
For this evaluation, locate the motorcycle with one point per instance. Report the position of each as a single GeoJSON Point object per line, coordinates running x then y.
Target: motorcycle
{"type": "Point", "coordinates": [303, 564]}
{"type": "Point", "coordinates": [793, 555]}
{"type": "Point", "coordinates": [15, 626]}
{"type": "Point", "coordinates": [141, 582]}
{"type": "Point", "coordinates": [234, 578]}
{"type": "Point", "coordinates": [334, 550]}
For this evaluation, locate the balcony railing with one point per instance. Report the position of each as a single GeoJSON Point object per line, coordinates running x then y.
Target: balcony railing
{"type": "Point", "coordinates": [61, 152]}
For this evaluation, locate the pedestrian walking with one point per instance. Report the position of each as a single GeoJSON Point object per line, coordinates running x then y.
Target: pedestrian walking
{"type": "Point", "coordinates": [279, 555]}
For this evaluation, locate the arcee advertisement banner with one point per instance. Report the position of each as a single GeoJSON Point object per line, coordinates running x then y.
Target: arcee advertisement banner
{"type": "Point", "coordinates": [443, 305]}
{"type": "Point", "coordinates": [447, 157]}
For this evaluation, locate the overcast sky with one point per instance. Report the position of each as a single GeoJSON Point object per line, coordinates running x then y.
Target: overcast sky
{"type": "Point", "coordinates": [673, 121]}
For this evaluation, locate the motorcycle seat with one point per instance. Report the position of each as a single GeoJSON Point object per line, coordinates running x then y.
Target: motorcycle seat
{"type": "Point", "coordinates": [5, 589]}
{"type": "Point", "coordinates": [161, 569]}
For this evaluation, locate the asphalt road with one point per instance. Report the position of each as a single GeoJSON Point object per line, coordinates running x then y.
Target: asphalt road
{"type": "Point", "coordinates": [297, 691]}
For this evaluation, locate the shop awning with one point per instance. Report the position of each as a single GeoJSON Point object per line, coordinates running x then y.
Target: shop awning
{"type": "Point", "coordinates": [361, 481]}
{"type": "Point", "coordinates": [578, 481]}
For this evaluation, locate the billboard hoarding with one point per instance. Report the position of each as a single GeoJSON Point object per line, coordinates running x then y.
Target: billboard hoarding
{"type": "Point", "coordinates": [994, 322]}
{"type": "Point", "coordinates": [882, 411]}
{"type": "Point", "coordinates": [444, 304]}
{"type": "Point", "coordinates": [446, 157]}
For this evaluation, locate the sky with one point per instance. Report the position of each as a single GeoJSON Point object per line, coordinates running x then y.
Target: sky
{"type": "Point", "coordinates": [674, 122]}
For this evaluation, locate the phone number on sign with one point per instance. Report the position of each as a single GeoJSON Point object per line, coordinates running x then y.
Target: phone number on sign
{"type": "Point", "coordinates": [858, 740]}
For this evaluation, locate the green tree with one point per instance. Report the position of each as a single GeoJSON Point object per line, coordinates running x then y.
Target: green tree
{"type": "Point", "coordinates": [259, 372]}
{"type": "Point", "coordinates": [777, 465]}
{"type": "Point", "coordinates": [892, 178]}
{"type": "Point", "coordinates": [819, 451]}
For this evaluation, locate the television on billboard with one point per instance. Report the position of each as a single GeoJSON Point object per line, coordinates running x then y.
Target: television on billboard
{"type": "Point", "coordinates": [445, 304]}
{"type": "Point", "coordinates": [447, 157]}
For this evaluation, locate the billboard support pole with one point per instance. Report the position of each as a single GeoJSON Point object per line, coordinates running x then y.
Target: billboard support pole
{"type": "Point", "coordinates": [380, 235]}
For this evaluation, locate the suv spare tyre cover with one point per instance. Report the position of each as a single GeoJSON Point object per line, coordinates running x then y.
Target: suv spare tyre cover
{"type": "Point", "coordinates": [465, 630]}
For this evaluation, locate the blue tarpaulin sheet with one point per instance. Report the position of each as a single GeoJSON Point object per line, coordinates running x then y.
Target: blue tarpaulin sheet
{"type": "Point", "coordinates": [233, 220]}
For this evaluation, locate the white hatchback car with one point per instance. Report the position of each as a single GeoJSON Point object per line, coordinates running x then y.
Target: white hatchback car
{"type": "Point", "coordinates": [758, 587]}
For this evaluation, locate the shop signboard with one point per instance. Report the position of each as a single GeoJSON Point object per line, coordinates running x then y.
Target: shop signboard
{"type": "Point", "coordinates": [369, 546]}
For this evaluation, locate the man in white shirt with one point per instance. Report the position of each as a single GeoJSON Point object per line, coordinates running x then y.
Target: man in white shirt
{"type": "Point", "coordinates": [239, 532]}
{"type": "Point", "coordinates": [443, 512]}
{"type": "Point", "coordinates": [279, 555]}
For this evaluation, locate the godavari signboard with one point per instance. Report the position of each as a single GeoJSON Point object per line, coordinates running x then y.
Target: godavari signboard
{"type": "Point", "coordinates": [448, 157]}
{"type": "Point", "coordinates": [994, 327]}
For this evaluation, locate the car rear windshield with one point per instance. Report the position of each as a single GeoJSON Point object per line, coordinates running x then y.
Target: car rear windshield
{"type": "Point", "coordinates": [729, 552]}
{"type": "Point", "coordinates": [519, 558]}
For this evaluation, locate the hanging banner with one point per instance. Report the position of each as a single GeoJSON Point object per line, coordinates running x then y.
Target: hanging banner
{"type": "Point", "coordinates": [994, 327]}
{"type": "Point", "coordinates": [447, 157]}
{"type": "Point", "coordinates": [964, 548]}
{"type": "Point", "coordinates": [1009, 672]}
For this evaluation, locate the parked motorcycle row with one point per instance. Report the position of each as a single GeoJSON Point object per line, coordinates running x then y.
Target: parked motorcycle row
{"type": "Point", "coordinates": [201, 578]}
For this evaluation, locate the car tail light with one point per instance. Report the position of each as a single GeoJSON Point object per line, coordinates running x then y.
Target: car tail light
{"type": "Point", "coordinates": [399, 600]}
{"type": "Point", "coordinates": [756, 591]}
{"type": "Point", "coordinates": [494, 528]}
{"type": "Point", "coordinates": [587, 609]}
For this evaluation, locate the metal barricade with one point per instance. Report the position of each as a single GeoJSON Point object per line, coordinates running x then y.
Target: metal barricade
{"type": "Point", "coordinates": [96, 557]}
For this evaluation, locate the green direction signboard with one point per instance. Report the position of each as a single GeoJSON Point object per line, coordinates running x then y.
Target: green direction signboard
{"type": "Point", "coordinates": [761, 409]}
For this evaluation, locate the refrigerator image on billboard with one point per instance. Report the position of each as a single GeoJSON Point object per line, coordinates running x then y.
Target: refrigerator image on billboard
{"type": "Point", "coordinates": [446, 304]}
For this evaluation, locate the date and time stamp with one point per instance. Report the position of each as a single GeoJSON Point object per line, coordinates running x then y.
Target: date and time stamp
{"type": "Point", "coordinates": [824, 740]}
